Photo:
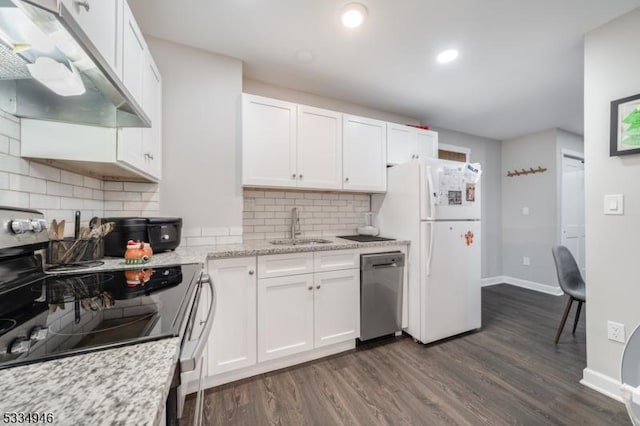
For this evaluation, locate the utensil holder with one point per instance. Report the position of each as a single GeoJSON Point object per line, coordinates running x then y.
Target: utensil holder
{"type": "Point", "coordinates": [74, 251]}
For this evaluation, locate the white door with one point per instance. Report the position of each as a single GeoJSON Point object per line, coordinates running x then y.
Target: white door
{"type": "Point", "coordinates": [364, 148]}
{"type": "Point", "coordinates": [337, 306]}
{"type": "Point", "coordinates": [152, 103]}
{"type": "Point", "coordinates": [99, 21]}
{"type": "Point", "coordinates": [401, 143]}
{"type": "Point", "coordinates": [319, 148]}
{"type": "Point", "coordinates": [133, 60]}
{"type": "Point", "coordinates": [450, 273]}
{"type": "Point", "coordinates": [232, 343]}
{"type": "Point", "coordinates": [426, 143]}
{"type": "Point", "coordinates": [268, 142]}
{"type": "Point", "coordinates": [572, 206]}
{"type": "Point", "coordinates": [285, 316]}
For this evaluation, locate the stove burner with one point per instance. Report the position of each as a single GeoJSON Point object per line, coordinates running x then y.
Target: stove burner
{"type": "Point", "coordinates": [6, 325]}
{"type": "Point", "coordinates": [74, 266]}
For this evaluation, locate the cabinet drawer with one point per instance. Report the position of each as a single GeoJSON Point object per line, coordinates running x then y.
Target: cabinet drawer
{"type": "Point", "coordinates": [336, 260]}
{"type": "Point", "coordinates": [279, 265]}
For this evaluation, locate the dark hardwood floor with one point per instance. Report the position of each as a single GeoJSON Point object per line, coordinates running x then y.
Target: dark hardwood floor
{"type": "Point", "coordinates": [510, 372]}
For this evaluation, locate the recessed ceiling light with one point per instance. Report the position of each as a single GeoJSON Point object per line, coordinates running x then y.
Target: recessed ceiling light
{"type": "Point", "coordinates": [447, 56]}
{"type": "Point", "coordinates": [353, 15]}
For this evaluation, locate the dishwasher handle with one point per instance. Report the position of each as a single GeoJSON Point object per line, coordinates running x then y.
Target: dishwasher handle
{"type": "Point", "coordinates": [382, 260]}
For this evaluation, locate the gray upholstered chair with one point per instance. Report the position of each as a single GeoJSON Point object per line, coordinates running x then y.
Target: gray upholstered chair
{"type": "Point", "coordinates": [571, 283]}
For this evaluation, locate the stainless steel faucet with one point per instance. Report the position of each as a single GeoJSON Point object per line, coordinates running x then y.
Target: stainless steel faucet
{"type": "Point", "coordinates": [295, 223]}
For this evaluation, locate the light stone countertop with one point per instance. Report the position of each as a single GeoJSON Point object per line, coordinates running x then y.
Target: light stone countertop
{"type": "Point", "coordinates": [123, 386]}
{"type": "Point", "coordinates": [200, 254]}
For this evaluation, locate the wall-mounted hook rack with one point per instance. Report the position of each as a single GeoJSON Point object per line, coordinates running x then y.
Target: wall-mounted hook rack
{"type": "Point", "coordinates": [531, 170]}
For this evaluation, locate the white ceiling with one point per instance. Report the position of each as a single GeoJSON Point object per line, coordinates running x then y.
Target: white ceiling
{"type": "Point", "coordinates": [519, 70]}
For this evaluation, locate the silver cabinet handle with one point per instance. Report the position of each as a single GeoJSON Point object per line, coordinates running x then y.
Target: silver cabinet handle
{"type": "Point", "coordinates": [293, 176]}
{"type": "Point", "coordinates": [251, 272]}
{"type": "Point", "coordinates": [318, 287]}
{"type": "Point", "coordinates": [417, 156]}
{"type": "Point", "coordinates": [413, 156]}
{"type": "Point", "coordinates": [192, 350]}
{"type": "Point", "coordinates": [346, 179]}
{"type": "Point", "coordinates": [310, 287]}
{"type": "Point", "coordinates": [83, 3]}
{"type": "Point", "coordinates": [300, 176]}
{"type": "Point", "coordinates": [149, 155]}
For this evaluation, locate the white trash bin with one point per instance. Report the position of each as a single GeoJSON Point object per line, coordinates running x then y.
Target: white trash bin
{"type": "Point", "coordinates": [630, 375]}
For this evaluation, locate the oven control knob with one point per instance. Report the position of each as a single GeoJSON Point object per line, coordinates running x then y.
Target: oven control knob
{"type": "Point", "coordinates": [38, 333]}
{"type": "Point", "coordinates": [38, 225]}
{"type": "Point", "coordinates": [20, 345]}
{"type": "Point", "coordinates": [20, 226]}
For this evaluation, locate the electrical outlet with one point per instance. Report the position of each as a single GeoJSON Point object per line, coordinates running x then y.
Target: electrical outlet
{"type": "Point", "coordinates": [526, 261]}
{"type": "Point", "coordinates": [615, 332]}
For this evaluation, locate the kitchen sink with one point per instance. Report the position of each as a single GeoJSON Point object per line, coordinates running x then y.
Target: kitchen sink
{"type": "Point", "coordinates": [299, 241]}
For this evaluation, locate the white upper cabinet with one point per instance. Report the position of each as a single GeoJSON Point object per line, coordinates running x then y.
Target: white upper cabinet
{"type": "Point", "coordinates": [290, 146]}
{"type": "Point", "coordinates": [152, 102]}
{"type": "Point", "coordinates": [133, 49]}
{"type": "Point", "coordinates": [268, 142]}
{"type": "Point", "coordinates": [405, 143]}
{"type": "Point", "coordinates": [99, 20]}
{"type": "Point", "coordinates": [319, 148]}
{"type": "Point", "coordinates": [364, 154]}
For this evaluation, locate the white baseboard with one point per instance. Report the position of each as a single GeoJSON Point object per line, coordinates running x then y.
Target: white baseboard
{"type": "Point", "coordinates": [531, 285]}
{"type": "Point", "coordinates": [604, 384]}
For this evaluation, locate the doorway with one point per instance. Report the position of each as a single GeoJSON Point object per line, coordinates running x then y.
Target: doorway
{"type": "Point", "coordinates": [572, 229]}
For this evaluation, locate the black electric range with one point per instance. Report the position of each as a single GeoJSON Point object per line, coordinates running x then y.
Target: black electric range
{"type": "Point", "coordinates": [44, 316]}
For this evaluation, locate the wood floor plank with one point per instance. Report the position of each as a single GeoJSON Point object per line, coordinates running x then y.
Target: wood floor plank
{"type": "Point", "coordinates": [508, 373]}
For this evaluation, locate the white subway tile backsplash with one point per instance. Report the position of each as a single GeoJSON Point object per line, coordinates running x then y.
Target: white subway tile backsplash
{"type": "Point", "coordinates": [9, 128]}
{"type": "Point", "coordinates": [71, 203]}
{"type": "Point", "coordinates": [27, 184]}
{"type": "Point", "coordinates": [44, 172]}
{"type": "Point", "coordinates": [232, 239]}
{"type": "Point", "coordinates": [113, 186]}
{"type": "Point", "coordinates": [14, 164]}
{"type": "Point", "coordinates": [201, 241]}
{"type": "Point", "coordinates": [140, 187]}
{"type": "Point", "coordinates": [5, 146]}
{"type": "Point", "coordinates": [82, 192]}
{"type": "Point", "coordinates": [62, 189]}
{"type": "Point", "coordinates": [38, 201]}
{"type": "Point", "coordinates": [121, 196]}
{"type": "Point", "coordinates": [113, 205]}
{"type": "Point", "coordinates": [90, 182]}
{"type": "Point", "coordinates": [191, 232]}
{"type": "Point", "coordinates": [4, 180]}
{"type": "Point", "coordinates": [14, 198]}
{"type": "Point", "coordinates": [267, 214]}
{"type": "Point", "coordinates": [14, 147]}
{"type": "Point", "coordinates": [214, 232]}
{"type": "Point", "coordinates": [71, 178]}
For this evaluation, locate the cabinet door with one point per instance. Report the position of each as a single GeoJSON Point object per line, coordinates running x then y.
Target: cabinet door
{"type": "Point", "coordinates": [337, 306]}
{"type": "Point", "coordinates": [364, 154]}
{"type": "Point", "coordinates": [268, 142]}
{"type": "Point", "coordinates": [232, 343]}
{"type": "Point", "coordinates": [401, 143]}
{"type": "Point", "coordinates": [426, 143]}
{"type": "Point", "coordinates": [319, 148]}
{"type": "Point", "coordinates": [99, 21]}
{"type": "Point", "coordinates": [133, 60]}
{"type": "Point", "coordinates": [285, 316]}
{"type": "Point", "coordinates": [152, 137]}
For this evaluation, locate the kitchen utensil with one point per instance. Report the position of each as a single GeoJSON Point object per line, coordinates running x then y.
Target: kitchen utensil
{"type": "Point", "coordinates": [53, 230]}
{"type": "Point", "coordinates": [76, 229]}
{"type": "Point", "coordinates": [368, 228]}
{"type": "Point", "coordinates": [60, 229]}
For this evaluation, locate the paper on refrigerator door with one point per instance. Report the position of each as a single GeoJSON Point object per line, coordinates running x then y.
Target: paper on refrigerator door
{"type": "Point", "coordinates": [457, 184]}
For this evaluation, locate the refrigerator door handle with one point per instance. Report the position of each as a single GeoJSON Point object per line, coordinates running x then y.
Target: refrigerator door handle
{"type": "Point", "coordinates": [431, 238]}
{"type": "Point", "coordinates": [431, 194]}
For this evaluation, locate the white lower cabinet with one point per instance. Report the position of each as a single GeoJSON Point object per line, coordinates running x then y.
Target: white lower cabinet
{"type": "Point", "coordinates": [336, 307]}
{"type": "Point", "coordinates": [232, 343]}
{"type": "Point", "coordinates": [285, 316]}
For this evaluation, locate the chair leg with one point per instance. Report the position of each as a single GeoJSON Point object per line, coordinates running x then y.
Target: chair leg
{"type": "Point", "coordinates": [575, 321]}
{"type": "Point", "coordinates": [564, 319]}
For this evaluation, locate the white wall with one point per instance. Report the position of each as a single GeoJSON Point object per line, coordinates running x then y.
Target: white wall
{"type": "Point", "coordinates": [201, 139]}
{"type": "Point", "coordinates": [487, 152]}
{"type": "Point", "coordinates": [261, 88]}
{"type": "Point", "coordinates": [613, 289]}
{"type": "Point", "coordinates": [534, 234]}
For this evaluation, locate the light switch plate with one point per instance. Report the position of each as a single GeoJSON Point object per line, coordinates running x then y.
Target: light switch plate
{"type": "Point", "coordinates": [614, 204]}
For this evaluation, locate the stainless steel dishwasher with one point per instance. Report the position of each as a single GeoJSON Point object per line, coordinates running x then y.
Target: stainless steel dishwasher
{"type": "Point", "coordinates": [380, 294]}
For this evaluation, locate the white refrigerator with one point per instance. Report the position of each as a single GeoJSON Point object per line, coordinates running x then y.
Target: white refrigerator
{"type": "Point", "coordinates": [436, 205]}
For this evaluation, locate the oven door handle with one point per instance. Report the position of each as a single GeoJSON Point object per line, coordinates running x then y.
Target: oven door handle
{"type": "Point", "coordinates": [192, 349]}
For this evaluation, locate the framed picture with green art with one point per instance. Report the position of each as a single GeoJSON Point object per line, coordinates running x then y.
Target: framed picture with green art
{"type": "Point", "coordinates": [625, 126]}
